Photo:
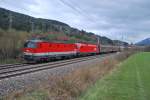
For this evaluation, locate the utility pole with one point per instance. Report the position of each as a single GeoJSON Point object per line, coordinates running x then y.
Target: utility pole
{"type": "Point", "coordinates": [98, 40]}
{"type": "Point", "coordinates": [122, 38]}
{"type": "Point", "coordinates": [32, 26]}
{"type": "Point", "coordinates": [43, 27]}
{"type": "Point", "coordinates": [98, 43]}
{"type": "Point", "coordinates": [10, 21]}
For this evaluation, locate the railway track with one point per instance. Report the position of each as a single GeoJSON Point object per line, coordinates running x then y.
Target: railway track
{"type": "Point", "coordinates": [7, 66]}
{"type": "Point", "coordinates": [14, 70]}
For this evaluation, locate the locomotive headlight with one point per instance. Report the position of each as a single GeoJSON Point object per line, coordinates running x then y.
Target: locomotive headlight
{"type": "Point", "coordinates": [27, 51]}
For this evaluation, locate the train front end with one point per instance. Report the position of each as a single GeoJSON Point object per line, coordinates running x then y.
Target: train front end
{"type": "Point", "coordinates": [29, 51]}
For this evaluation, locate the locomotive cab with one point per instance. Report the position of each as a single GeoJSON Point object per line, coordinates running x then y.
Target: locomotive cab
{"type": "Point", "coordinates": [29, 50]}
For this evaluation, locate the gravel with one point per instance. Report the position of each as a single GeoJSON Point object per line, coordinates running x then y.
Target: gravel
{"type": "Point", "coordinates": [34, 79]}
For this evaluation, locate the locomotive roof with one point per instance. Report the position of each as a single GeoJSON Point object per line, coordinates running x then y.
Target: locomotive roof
{"type": "Point", "coordinates": [35, 40]}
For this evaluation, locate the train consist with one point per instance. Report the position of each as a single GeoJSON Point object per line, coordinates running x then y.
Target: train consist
{"type": "Point", "coordinates": [37, 50]}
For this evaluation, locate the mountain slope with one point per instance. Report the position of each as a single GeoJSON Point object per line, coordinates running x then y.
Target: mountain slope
{"type": "Point", "coordinates": [145, 42]}
{"type": "Point", "coordinates": [50, 29]}
{"type": "Point", "coordinates": [25, 22]}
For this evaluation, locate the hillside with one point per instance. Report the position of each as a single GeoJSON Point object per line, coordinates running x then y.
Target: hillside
{"type": "Point", "coordinates": [16, 28]}
{"type": "Point", "coordinates": [145, 42]}
{"type": "Point", "coordinates": [47, 29]}
{"type": "Point", "coordinates": [117, 42]}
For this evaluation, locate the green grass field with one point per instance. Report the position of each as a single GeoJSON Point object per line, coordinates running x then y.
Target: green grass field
{"type": "Point", "coordinates": [131, 81]}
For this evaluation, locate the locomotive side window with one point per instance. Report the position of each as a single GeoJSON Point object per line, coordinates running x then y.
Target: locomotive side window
{"type": "Point", "coordinates": [30, 45]}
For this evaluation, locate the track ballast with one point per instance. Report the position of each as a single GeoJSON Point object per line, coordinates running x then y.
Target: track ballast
{"type": "Point", "coordinates": [13, 70]}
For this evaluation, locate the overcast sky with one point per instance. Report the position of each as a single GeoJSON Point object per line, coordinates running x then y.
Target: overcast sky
{"type": "Point", "coordinates": [127, 20]}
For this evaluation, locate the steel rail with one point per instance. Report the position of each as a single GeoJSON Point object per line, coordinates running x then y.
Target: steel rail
{"type": "Point", "coordinates": [18, 72]}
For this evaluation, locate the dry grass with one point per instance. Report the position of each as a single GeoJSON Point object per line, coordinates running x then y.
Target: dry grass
{"type": "Point", "coordinates": [71, 86]}
{"type": "Point", "coordinates": [11, 43]}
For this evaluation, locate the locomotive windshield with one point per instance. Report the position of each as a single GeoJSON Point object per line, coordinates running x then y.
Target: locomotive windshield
{"type": "Point", "coordinates": [30, 45]}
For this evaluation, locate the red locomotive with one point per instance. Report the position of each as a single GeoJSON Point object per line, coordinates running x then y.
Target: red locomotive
{"type": "Point", "coordinates": [37, 50]}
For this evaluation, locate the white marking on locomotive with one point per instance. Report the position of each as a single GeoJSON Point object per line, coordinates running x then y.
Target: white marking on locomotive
{"type": "Point", "coordinates": [49, 53]}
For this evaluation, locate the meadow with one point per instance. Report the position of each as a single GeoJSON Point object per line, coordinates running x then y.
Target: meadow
{"type": "Point", "coordinates": [129, 82]}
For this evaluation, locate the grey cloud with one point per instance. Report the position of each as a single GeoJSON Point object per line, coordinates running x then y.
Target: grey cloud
{"type": "Point", "coordinates": [17, 4]}
{"type": "Point", "coordinates": [111, 18]}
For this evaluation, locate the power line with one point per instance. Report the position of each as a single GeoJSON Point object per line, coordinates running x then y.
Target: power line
{"type": "Point", "coordinates": [83, 11]}
{"type": "Point", "coordinates": [69, 5]}
{"type": "Point", "coordinates": [80, 11]}
{"type": "Point", "coordinates": [77, 9]}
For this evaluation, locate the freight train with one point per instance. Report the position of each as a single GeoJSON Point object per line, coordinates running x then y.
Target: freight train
{"type": "Point", "coordinates": [38, 50]}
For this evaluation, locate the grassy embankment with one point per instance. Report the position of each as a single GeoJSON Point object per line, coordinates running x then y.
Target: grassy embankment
{"type": "Point", "coordinates": [130, 82]}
